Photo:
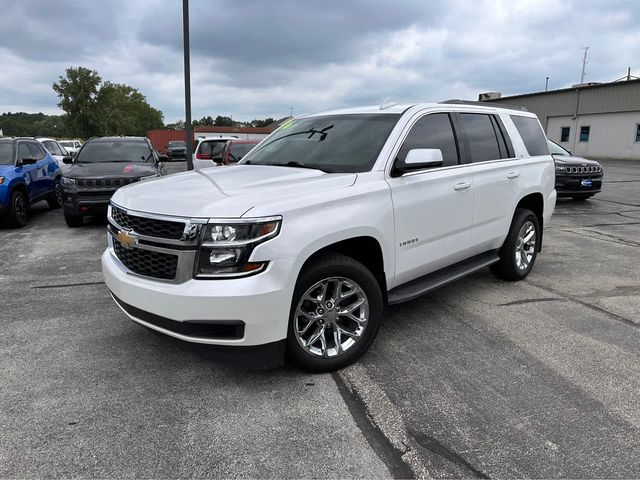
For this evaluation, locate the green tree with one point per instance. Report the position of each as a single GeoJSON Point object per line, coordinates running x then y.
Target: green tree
{"type": "Point", "coordinates": [123, 110]}
{"type": "Point", "coordinates": [95, 108]}
{"type": "Point", "coordinates": [221, 121]}
{"type": "Point", "coordinates": [78, 91]}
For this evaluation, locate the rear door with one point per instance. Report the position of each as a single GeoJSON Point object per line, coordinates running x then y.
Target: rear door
{"type": "Point", "coordinates": [432, 207]}
{"type": "Point", "coordinates": [46, 167]}
{"type": "Point", "coordinates": [496, 178]}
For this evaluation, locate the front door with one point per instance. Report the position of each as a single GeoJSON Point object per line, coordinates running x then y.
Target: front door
{"type": "Point", "coordinates": [433, 207]}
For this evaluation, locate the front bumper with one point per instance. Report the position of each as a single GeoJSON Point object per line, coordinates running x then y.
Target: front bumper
{"type": "Point", "coordinates": [259, 303]}
{"type": "Point", "coordinates": [86, 203]}
{"type": "Point", "coordinates": [569, 185]}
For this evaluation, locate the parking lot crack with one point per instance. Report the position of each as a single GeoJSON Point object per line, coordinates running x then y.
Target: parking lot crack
{"type": "Point", "coordinates": [391, 453]}
{"type": "Point", "coordinates": [584, 303]}
{"type": "Point", "coordinates": [532, 300]}
{"type": "Point", "coordinates": [433, 445]}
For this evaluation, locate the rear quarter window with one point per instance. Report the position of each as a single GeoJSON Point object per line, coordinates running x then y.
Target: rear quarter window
{"type": "Point", "coordinates": [532, 135]}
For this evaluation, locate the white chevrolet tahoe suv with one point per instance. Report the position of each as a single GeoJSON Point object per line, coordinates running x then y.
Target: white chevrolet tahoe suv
{"type": "Point", "coordinates": [299, 247]}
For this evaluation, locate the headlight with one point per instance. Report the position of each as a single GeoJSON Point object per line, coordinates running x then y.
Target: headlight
{"type": "Point", "coordinates": [560, 168]}
{"type": "Point", "coordinates": [1, 180]}
{"type": "Point", "coordinates": [67, 182]}
{"type": "Point", "coordinates": [226, 247]}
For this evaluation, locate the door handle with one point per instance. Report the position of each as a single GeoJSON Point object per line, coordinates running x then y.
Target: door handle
{"type": "Point", "coordinates": [462, 186]}
{"type": "Point", "coordinates": [511, 175]}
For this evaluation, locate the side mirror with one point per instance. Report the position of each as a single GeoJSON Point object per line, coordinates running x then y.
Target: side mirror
{"type": "Point", "coordinates": [418, 159]}
{"type": "Point", "coordinates": [28, 161]}
{"type": "Point", "coordinates": [68, 160]}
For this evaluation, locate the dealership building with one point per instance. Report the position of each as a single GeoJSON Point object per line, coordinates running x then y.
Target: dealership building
{"type": "Point", "coordinates": [594, 120]}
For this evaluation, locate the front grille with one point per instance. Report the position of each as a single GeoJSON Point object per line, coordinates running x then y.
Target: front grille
{"type": "Point", "coordinates": [148, 226]}
{"type": "Point", "coordinates": [587, 169]}
{"type": "Point", "coordinates": [104, 182]}
{"type": "Point", "coordinates": [146, 262]}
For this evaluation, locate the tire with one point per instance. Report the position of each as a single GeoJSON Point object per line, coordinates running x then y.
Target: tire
{"type": "Point", "coordinates": [18, 209]}
{"type": "Point", "coordinates": [55, 199]}
{"type": "Point", "coordinates": [516, 255]}
{"type": "Point", "coordinates": [581, 198]}
{"type": "Point", "coordinates": [309, 317]}
{"type": "Point", "coordinates": [73, 221]}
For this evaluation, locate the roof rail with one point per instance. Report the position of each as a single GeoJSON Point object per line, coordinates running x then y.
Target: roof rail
{"type": "Point", "coordinates": [457, 101]}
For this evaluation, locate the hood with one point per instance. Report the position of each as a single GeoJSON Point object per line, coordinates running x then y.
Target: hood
{"type": "Point", "coordinates": [573, 161]}
{"type": "Point", "coordinates": [5, 169]}
{"type": "Point", "coordinates": [110, 170]}
{"type": "Point", "coordinates": [227, 192]}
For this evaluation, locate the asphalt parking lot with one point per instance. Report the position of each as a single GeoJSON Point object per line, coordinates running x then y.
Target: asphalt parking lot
{"type": "Point", "coordinates": [482, 378]}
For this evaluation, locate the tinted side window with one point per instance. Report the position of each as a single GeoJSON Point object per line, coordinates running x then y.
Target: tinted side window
{"type": "Point", "coordinates": [52, 147]}
{"type": "Point", "coordinates": [36, 151]}
{"type": "Point", "coordinates": [432, 131]}
{"type": "Point", "coordinates": [532, 135]}
{"type": "Point", "coordinates": [483, 143]}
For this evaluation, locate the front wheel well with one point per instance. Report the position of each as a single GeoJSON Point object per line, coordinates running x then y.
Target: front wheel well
{"type": "Point", "coordinates": [535, 203]}
{"type": "Point", "coordinates": [23, 188]}
{"type": "Point", "coordinates": [365, 250]}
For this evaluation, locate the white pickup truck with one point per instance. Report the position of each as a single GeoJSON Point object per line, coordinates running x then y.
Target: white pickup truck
{"type": "Point", "coordinates": [298, 248]}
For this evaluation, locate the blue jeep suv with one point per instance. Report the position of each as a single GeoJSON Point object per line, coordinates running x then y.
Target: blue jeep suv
{"type": "Point", "coordinates": [28, 174]}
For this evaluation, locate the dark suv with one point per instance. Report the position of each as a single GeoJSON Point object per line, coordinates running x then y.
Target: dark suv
{"type": "Point", "coordinates": [576, 177]}
{"type": "Point", "coordinates": [176, 149]}
{"type": "Point", "coordinates": [101, 167]}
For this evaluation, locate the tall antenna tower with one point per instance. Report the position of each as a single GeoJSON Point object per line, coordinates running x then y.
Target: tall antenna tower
{"type": "Point", "coordinates": [584, 63]}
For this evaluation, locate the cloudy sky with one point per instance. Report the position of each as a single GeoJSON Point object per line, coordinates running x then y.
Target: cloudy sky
{"type": "Point", "coordinates": [256, 58]}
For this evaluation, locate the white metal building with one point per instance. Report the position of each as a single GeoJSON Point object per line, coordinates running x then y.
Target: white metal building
{"type": "Point", "coordinates": [592, 121]}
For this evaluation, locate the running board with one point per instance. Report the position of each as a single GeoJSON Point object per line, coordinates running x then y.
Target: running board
{"type": "Point", "coordinates": [439, 278]}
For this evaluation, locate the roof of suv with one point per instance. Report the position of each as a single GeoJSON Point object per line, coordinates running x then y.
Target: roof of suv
{"type": "Point", "coordinates": [400, 108]}
{"type": "Point", "coordinates": [117, 139]}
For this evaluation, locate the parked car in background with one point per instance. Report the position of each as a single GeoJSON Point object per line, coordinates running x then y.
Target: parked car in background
{"type": "Point", "coordinates": [101, 167]}
{"type": "Point", "coordinates": [576, 177]}
{"type": "Point", "coordinates": [209, 147]}
{"type": "Point", "coordinates": [72, 146]}
{"type": "Point", "coordinates": [28, 174]}
{"type": "Point", "coordinates": [234, 150]}
{"type": "Point", "coordinates": [176, 149]}
{"type": "Point", "coordinates": [300, 246]}
{"type": "Point", "coordinates": [56, 150]}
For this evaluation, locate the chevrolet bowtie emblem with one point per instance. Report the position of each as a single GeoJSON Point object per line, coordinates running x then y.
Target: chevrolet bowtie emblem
{"type": "Point", "coordinates": [127, 239]}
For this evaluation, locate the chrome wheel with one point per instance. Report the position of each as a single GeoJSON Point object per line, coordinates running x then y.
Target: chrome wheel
{"type": "Point", "coordinates": [331, 317]}
{"type": "Point", "coordinates": [20, 209]}
{"type": "Point", "coordinates": [525, 245]}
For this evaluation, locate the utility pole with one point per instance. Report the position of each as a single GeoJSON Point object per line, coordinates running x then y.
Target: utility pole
{"type": "Point", "coordinates": [187, 83]}
{"type": "Point", "coordinates": [584, 63]}
{"type": "Point", "coordinates": [546, 84]}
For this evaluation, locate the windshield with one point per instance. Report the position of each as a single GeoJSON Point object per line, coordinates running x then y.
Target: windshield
{"type": "Point", "coordinates": [332, 143]}
{"type": "Point", "coordinates": [177, 144]}
{"type": "Point", "coordinates": [6, 153]}
{"type": "Point", "coordinates": [556, 149]}
{"type": "Point", "coordinates": [66, 144]}
{"type": "Point", "coordinates": [212, 147]}
{"type": "Point", "coordinates": [116, 151]}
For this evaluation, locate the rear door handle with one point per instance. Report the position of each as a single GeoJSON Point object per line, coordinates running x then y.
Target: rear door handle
{"type": "Point", "coordinates": [511, 175]}
{"type": "Point", "coordinates": [462, 186]}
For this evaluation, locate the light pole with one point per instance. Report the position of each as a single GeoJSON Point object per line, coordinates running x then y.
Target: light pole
{"type": "Point", "coordinates": [187, 83]}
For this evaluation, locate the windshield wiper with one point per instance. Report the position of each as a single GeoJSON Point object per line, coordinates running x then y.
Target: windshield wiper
{"type": "Point", "coordinates": [297, 165]}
